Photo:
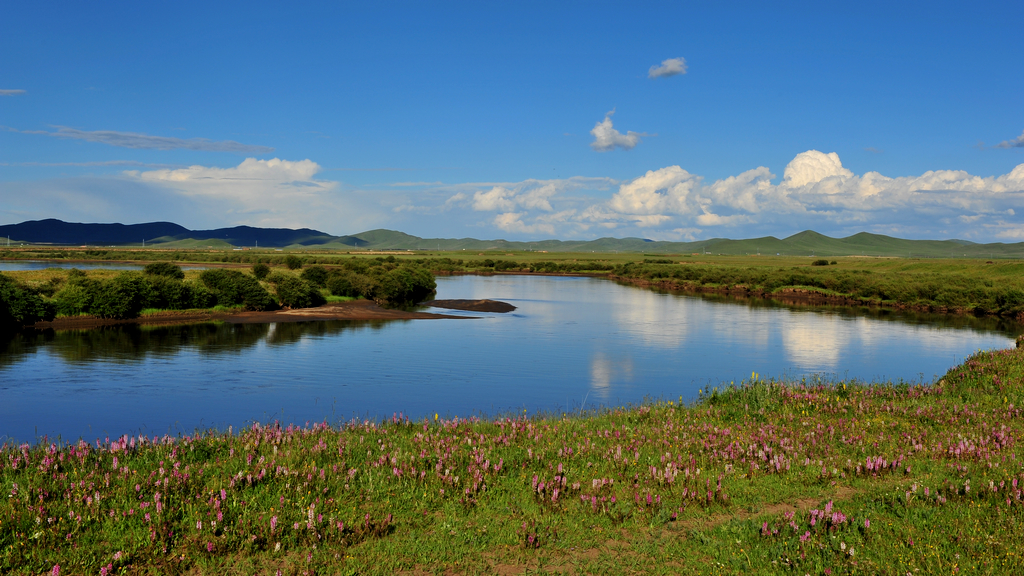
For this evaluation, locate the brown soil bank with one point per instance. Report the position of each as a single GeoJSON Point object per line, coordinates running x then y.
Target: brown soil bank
{"type": "Point", "coordinates": [472, 305]}
{"type": "Point", "coordinates": [353, 310]}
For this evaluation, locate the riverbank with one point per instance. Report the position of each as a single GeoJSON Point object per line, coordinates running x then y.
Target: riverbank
{"type": "Point", "coordinates": [350, 310]}
{"type": "Point", "coordinates": [762, 478]}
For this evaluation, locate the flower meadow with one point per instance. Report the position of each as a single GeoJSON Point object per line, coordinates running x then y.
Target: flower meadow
{"type": "Point", "coordinates": [794, 477]}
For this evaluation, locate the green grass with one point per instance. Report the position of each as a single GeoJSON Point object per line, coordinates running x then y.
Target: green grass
{"type": "Point", "coordinates": [897, 477]}
{"type": "Point", "coordinates": [331, 298]}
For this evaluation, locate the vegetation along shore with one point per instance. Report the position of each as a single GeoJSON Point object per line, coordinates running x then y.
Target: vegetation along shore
{"type": "Point", "coordinates": [763, 477]}
{"type": "Point", "coordinates": [271, 280]}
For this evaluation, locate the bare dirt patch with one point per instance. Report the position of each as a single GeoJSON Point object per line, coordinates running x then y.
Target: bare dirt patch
{"type": "Point", "coordinates": [472, 305]}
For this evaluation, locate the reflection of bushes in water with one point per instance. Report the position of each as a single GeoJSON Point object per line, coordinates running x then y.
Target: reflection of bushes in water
{"type": "Point", "coordinates": [291, 332]}
{"type": "Point", "coordinates": [131, 342]}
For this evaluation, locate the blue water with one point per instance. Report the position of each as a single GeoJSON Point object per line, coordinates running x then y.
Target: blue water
{"type": "Point", "coordinates": [572, 342]}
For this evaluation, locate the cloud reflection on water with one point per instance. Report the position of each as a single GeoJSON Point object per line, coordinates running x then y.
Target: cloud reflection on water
{"type": "Point", "coordinates": [605, 370]}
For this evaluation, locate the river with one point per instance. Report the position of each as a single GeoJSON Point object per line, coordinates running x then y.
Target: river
{"type": "Point", "coordinates": [572, 343]}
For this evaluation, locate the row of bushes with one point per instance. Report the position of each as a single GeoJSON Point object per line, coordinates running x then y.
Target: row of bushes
{"type": "Point", "coordinates": [162, 285]}
{"type": "Point", "coordinates": [955, 291]}
{"type": "Point", "coordinates": [384, 282]}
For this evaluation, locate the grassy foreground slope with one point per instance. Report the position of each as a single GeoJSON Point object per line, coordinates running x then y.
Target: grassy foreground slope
{"type": "Point", "coordinates": [761, 478]}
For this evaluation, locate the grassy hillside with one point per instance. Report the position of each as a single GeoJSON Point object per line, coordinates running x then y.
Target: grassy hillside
{"type": "Point", "coordinates": [806, 243]}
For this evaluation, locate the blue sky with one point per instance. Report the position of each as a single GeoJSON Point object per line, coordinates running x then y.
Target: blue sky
{"type": "Point", "coordinates": [521, 120]}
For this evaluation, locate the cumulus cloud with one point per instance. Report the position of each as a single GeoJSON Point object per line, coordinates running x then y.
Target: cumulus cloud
{"type": "Point", "coordinates": [1017, 142]}
{"type": "Point", "coordinates": [815, 192]}
{"type": "Point", "coordinates": [149, 142]}
{"type": "Point", "coordinates": [656, 192]}
{"type": "Point", "coordinates": [513, 222]}
{"type": "Point", "coordinates": [670, 67]}
{"type": "Point", "coordinates": [607, 138]}
{"type": "Point", "coordinates": [260, 192]}
{"type": "Point", "coordinates": [812, 167]}
{"type": "Point", "coordinates": [11, 92]}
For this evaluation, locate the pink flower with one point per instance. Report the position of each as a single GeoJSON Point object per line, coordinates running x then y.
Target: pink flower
{"type": "Point", "coordinates": [56, 570]}
{"type": "Point", "coordinates": [273, 523]}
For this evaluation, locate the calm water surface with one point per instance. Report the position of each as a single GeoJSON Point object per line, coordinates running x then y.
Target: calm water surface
{"type": "Point", "coordinates": [571, 342]}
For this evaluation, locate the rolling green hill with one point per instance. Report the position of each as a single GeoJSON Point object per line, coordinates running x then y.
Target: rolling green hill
{"type": "Point", "coordinates": [807, 243]}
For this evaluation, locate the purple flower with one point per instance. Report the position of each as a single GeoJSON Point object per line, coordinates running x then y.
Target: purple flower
{"type": "Point", "coordinates": [56, 570]}
{"type": "Point", "coordinates": [273, 524]}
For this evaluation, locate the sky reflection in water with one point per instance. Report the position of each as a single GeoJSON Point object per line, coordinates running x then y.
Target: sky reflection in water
{"type": "Point", "coordinates": [571, 342]}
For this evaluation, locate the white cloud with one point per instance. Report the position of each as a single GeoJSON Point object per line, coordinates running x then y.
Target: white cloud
{"type": "Point", "coordinates": [1017, 142]}
{"type": "Point", "coordinates": [656, 192]}
{"type": "Point", "coordinates": [270, 193]}
{"type": "Point", "coordinates": [496, 198]}
{"type": "Point", "coordinates": [812, 166]}
{"type": "Point", "coordinates": [149, 142]}
{"type": "Point", "coordinates": [816, 192]}
{"type": "Point", "coordinates": [513, 222]}
{"type": "Point", "coordinates": [670, 67]}
{"type": "Point", "coordinates": [607, 138]}
{"type": "Point", "coordinates": [11, 92]}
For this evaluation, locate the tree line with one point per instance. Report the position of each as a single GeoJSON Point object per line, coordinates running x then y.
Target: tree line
{"type": "Point", "coordinates": [162, 285]}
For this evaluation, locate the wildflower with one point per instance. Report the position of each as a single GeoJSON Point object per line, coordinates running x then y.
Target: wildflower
{"type": "Point", "coordinates": [209, 546]}
{"type": "Point", "coordinates": [867, 523]}
{"type": "Point", "coordinates": [56, 570]}
{"type": "Point", "coordinates": [273, 524]}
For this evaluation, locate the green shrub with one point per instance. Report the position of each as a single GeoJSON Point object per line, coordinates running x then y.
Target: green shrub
{"type": "Point", "coordinates": [164, 269]}
{"type": "Point", "coordinates": [343, 284]}
{"type": "Point", "coordinates": [316, 275]}
{"type": "Point", "coordinates": [295, 292]}
{"type": "Point", "coordinates": [405, 285]}
{"type": "Point", "coordinates": [19, 306]}
{"type": "Point", "coordinates": [293, 262]}
{"type": "Point", "coordinates": [123, 296]}
{"type": "Point", "coordinates": [819, 263]}
{"type": "Point", "coordinates": [260, 271]}
{"type": "Point", "coordinates": [232, 288]}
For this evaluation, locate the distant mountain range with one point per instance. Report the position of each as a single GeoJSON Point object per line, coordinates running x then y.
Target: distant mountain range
{"type": "Point", "coordinates": [170, 235]}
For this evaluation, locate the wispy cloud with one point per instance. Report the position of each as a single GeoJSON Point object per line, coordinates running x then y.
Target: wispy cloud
{"type": "Point", "coordinates": [874, 150]}
{"type": "Point", "coordinates": [413, 184]}
{"type": "Point", "coordinates": [92, 164]}
{"type": "Point", "coordinates": [670, 67]}
{"type": "Point", "coordinates": [11, 92]}
{"type": "Point", "coordinates": [1017, 142]}
{"type": "Point", "coordinates": [607, 138]}
{"type": "Point", "coordinates": [149, 142]}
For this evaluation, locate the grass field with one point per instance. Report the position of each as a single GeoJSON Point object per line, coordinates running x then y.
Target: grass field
{"type": "Point", "coordinates": [763, 477]}
{"type": "Point", "coordinates": [962, 285]}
